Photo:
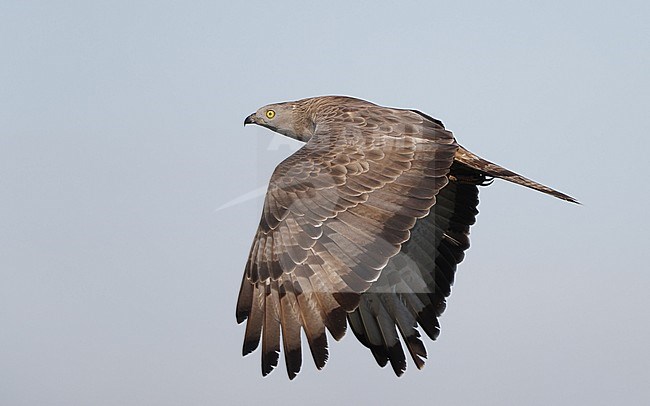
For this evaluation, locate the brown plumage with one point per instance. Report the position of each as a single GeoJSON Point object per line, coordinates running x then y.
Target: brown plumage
{"type": "Point", "coordinates": [363, 226]}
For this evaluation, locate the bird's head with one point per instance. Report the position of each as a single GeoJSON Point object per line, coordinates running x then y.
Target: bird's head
{"type": "Point", "coordinates": [288, 119]}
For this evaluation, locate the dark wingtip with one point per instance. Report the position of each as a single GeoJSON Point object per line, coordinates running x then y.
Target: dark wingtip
{"type": "Point", "coordinates": [336, 323]}
{"type": "Point", "coordinates": [293, 361]}
{"type": "Point", "coordinates": [397, 359]}
{"type": "Point", "coordinates": [249, 346]}
{"type": "Point", "coordinates": [319, 350]}
{"type": "Point", "coordinates": [380, 356]}
{"type": "Point", "coordinates": [269, 361]}
{"type": "Point", "coordinates": [241, 316]}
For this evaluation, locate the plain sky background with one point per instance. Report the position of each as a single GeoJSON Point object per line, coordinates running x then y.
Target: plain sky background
{"type": "Point", "coordinates": [121, 135]}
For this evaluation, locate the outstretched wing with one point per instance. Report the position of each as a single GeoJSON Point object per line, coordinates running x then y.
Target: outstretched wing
{"type": "Point", "coordinates": [335, 212]}
{"type": "Point", "coordinates": [413, 287]}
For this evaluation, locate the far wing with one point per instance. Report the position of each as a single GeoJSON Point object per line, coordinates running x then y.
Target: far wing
{"type": "Point", "coordinates": [413, 287]}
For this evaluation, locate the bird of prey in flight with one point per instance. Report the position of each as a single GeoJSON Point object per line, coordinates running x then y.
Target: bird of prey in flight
{"type": "Point", "coordinates": [363, 226]}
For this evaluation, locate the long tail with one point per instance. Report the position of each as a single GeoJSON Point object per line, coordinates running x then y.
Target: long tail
{"type": "Point", "coordinates": [491, 169]}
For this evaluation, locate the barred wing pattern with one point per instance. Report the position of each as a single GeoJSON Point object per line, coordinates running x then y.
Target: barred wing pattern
{"type": "Point", "coordinates": [335, 213]}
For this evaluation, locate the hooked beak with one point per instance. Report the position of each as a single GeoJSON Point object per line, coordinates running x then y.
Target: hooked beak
{"type": "Point", "coordinates": [250, 119]}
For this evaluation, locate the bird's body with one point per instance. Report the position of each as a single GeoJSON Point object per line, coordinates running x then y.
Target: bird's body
{"type": "Point", "coordinates": [364, 225]}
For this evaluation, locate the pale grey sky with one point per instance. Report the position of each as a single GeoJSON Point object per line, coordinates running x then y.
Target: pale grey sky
{"type": "Point", "coordinates": [121, 134]}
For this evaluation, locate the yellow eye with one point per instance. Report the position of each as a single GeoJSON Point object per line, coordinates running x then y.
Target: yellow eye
{"type": "Point", "coordinates": [270, 113]}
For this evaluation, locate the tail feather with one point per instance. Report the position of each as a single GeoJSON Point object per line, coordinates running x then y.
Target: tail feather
{"type": "Point", "coordinates": [491, 169]}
